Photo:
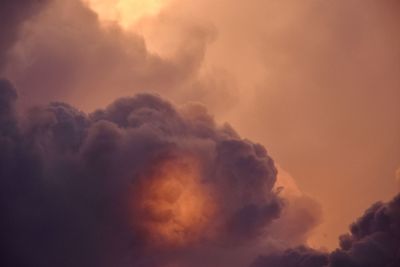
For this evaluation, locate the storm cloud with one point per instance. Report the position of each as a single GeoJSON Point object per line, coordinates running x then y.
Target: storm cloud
{"type": "Point", "coordinates": [147, 182]}
{"type": "Point", "coordinates": [140, 182]}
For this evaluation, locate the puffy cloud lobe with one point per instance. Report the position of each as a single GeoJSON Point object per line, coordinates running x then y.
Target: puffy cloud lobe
{"type": "Point", "coordinates": [298, 219]}
{"type": "Point", "coordinates": [374, 240]}
{"type": "Point", "coordinates": [140, 182]}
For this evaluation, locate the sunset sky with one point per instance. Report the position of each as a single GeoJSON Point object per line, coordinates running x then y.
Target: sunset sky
{"type": "Point", "coordinates": [200, 133]}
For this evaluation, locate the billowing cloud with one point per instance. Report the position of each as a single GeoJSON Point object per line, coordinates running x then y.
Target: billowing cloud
{"type": "Point", "coordinates": [374, 240]}
{"type": "Point", "coordinates": [140, 182]}
{"type": "Point", "coordinates": [294, 75]}
{"type": "Point", "coordinates": [67, 53]}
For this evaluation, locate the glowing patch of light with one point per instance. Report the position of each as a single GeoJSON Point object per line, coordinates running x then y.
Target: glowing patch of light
{"type": "Point", "coordinates": [177, 204]}
{"type": "Point", "coordinates": [125, 12]}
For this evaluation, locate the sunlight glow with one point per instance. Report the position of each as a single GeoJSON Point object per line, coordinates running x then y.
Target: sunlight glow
{"type": "Point", "coordinates": [177, 204]}
{"type": "Point", "coordinates": [125, 12]}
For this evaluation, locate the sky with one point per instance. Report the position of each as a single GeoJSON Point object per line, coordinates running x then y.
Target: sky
{"type": "Point", "coordinates": [254, 133]}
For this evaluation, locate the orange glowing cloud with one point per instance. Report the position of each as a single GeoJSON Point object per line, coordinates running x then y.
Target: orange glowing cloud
{"type": "Point", "coordinates": [125, 12]}
{"type": "Point", "coordinates": [176, 203]}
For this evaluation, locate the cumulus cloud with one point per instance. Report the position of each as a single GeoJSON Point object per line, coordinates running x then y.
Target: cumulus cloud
{"type": "Point", "coordinates": [374, 240]}
{"type": "Point", "coordinates": [146, 182]}
{"type": "Point", "coordinates": [140, 182]}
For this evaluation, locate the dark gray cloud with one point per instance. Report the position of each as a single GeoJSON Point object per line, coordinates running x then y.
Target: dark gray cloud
{"type": "Point", "coordinates": [140, 183]}
{"type": "Point", "coordinates": [373, 241]}
{"type": "Point", "coordinates": [374, 238]}
{"type": "Point", "coordinates": [299, 257]}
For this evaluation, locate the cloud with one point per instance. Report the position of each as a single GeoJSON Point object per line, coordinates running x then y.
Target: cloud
{"type": "Point", "coordinates": [67, 53]}
{"type": "Point", "coordinates": [374, 240]}
{"type": "Point", "coordinates": [12, 15]}
{"type": "Point", "coordinates": [246, 61]}
{"type": "Point", "coordinates": [141, 182]}
{"type": "Point", "coordinates": [301, 215]}
{"type": "Point", "coordinates": [299, 257]}
{"type": "Point", "coordinates": [308, 72]}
